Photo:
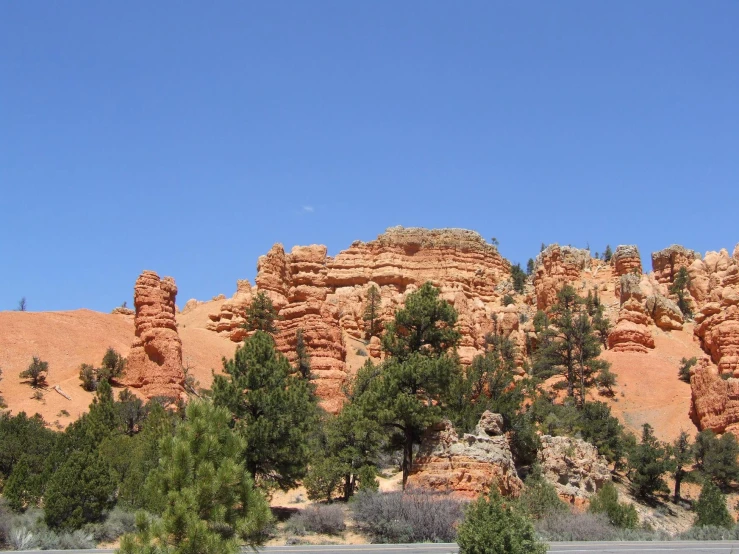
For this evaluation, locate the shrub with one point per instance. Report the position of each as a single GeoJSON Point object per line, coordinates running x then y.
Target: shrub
{"type": "Point", "coordinates": [324, 479]}
{"type": "Point", "coordinates": [320, 518]}
{"type": "Point", "coordinates": [361, 352]}
{"type": "Point", "coordinates": [508, 300]}
{"type": "Point", "coordinates": [36, 373]}
{"type": "Point", "coordinates": [576, 527]}
{"type": "Point", "coordinates": [492, 527]}
{"type": "Point", "coordinates": [683, 371]}
{"type": "Point", "coordinates": [711, 508]}
{"type": "Point", "coordinates": [415, 515]}
{"type": "Point", "coordinates": [539, 498]}
{"type": "Point", "coordinates": [118, 523]}
{"type": "Point", "coordinates": [709, 533]}
{"type": "Point", "coordinates": [87, 376]}
{"type": "Point", "coordinates": [619, 514]}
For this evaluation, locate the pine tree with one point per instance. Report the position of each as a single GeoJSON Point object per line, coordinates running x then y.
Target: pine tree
{"type": "Point", "coordinates": [679, 288]}
{"type": "Point", "coordinates": [568, 345]}
{"type": "Point", "coordinates": [409, 389]}
{"type": "Point", "coordinates": [302, 362]}
{"type": "Point", "coordinates": [682, 452]}
{"type": "Point", "coordinates": [274, 411]}
{"type": "Point", "coordinates": [372, 309]}
{"type": "Point", "coordinates": [530, 267]}
{"type": "Point", "coordinates": [209, 504]}
{"type": "Point", "coordinates": [648, 462]}
{"type": "Point", "coordinates": [608, 253]}
{"type": "Point", "coordinates": [36, 373]}
{"type": "Point", "coordinates": [261, 315]}
{"type": "Point", "coordinates": [711, 508]}
{"type": "Point", "coordinates": [80, 492]}
{"type": "Point", "coordinates": [518, 278]}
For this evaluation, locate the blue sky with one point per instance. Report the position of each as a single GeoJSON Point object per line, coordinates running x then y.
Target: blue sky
{"type": "Point", "coordinates": [187, 137]}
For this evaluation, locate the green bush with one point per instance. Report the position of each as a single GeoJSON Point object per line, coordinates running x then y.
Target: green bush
{"type": "Point", "coordinates": [492, 527]}
{"type": "Point", "coordinates": [539, 498]}
{"type": "Point", "coordinates": [683, 371]}
{"type": "Point", "coordinates": [619, 514]}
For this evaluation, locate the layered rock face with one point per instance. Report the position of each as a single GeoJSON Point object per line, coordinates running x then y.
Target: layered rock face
{"type": "Point", "coordinates": [715, 400]}
{"type": "Point", "coordinates": [467, 466]}
{"type": "Point", "coordinates": [326, 296]}
{"type": "Point", "coordinates": [667, 262]}
{"type": "Point", "coordinates": [631, 333]}
{"type": "Point", "coordinates": [154, 366]}
{"type": "Point", "coordinates": [626, 259]}
{"type": "Point", "coordinates": [574, 467]}
{"type": "Point", "coordinates": [715, 282]}
{"type": "Point", "coordinates": [556, 267]}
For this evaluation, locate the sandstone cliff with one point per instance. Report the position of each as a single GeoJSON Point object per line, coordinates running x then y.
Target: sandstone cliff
{"type": "Point", "coordinates": [325, 296]}
{"type": "Point", "coordinates": [154, 365]}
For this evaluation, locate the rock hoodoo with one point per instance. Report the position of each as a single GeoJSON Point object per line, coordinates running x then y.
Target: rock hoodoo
{"type": "Point", "coordinates": [667, 262]}
{"type": "Point", "coordinates": [467, 466]}
{"type": "Point", "coordinates": [626, 259]}
{"type": "Point", "coordinates": [154, 366]}
{"type": "Point", "coordinates": [557, 266]}
{"type": "Point", "coordinates": [631, 333]}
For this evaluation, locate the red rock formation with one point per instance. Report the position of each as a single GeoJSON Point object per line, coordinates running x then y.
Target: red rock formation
{"type": "Point", "coordinates": [326, 296]}
{"type": "Point", "coordinates": [667, 262]}
{"type": "Point", "coordinates": [715, 400]}
{"type": "Point", "coordinates": [154, 366]}
{"type": "Point", "coordinates": [556, 267]}
{"type": "Point", "coordinates": [626, 259]}
{"type": "Point", "coordinates": [664, 312]}
{"type": "Point", "coordinates": [468, 466]}
{"type": "Point", "coordinates": [631, 333]}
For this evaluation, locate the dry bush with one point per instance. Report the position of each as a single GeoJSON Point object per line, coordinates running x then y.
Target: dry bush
{"type": "Point", "coordinates": [327, 519]}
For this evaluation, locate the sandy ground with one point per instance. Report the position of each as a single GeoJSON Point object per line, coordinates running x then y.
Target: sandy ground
{"type": "Point", "coordinates": [68, 339]}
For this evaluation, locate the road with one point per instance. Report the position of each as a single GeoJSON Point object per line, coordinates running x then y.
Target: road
{"type": "Point", "coordinates": [682, 547]}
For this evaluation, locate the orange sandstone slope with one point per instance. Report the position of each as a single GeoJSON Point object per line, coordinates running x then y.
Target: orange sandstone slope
{"type": "Point", "coordinates": [68, 339]}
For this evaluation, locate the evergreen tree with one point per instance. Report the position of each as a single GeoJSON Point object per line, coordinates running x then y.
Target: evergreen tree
{"type": "Point", "coordinates": [261, 314]}
{"type": "Point", "coordinates": [36, 373]}
{"type": "Point", "coordinates": [372, 310]}
{"type": "Point", "coordinates": [425, 325]}
{"type": "Point", "coordinates": [568, 345]}
{"type": "Point", "coordinates": [492, 527]}
{"type": "Point", "coordinates": [601, 324]}
{"type": "Point", "coordinates": [711, 508]}
{"type": "Point", "coordinates": [408, 392]}
{"type": "Point", "coordinates": [80, 492]}
{"type": "Point", "coordinates": [112, 367]}
{"type": "Point", "coordinates": [302, 362]}
{"type": "Point", "coordinates": [2, 400]}
{"type": "Point", "coordinates": [518, 277]}
{"type": "Point", "coordinates": [273, 410]}
{"type": "Point", "coordinates": [679, 288]}
{"type": "Point", "coordinates": [131, 411]}
{"type": "Point", "coordinates": [648, 463]}
{"type": "Point", "coordinates": [608, 253]}
{"type": "Point", "coordinates": [539, 498]}
{"type": "Point", "coordinates": [209, 504]}
{"type": "Point", "coordinates": [682, 452]}
{"type": "Point", "coordinates": [719, 459]}
{"type": "Point", "coordinates": [530, 267]}
{"type": "Point", "coordinates": [21, 436]}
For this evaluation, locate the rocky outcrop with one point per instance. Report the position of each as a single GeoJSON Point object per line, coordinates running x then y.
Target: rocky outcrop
{"type": "Point", "coordinates": [467, 466]}
{"type": "Point", "coordinates": [667, 262]}
{"type": "Point", "coordinates": [120, 310]}
{"type": "Point", "coordinates": [715, 399]}
{"type": "Point", "coordinates": [555, 267]}
{"type": "Point", "coordinates": [626, 259]}
{"type": "Point", "coordinates": [154, 366]}
{"type": "Point", "coordinates": [715, 284]}
{"type": "Point", "coordinates": [631, 332]}
{"type": "Point", "coordinates": [326, 297]}
{"type": "Point", "coordinates": [574, 467]}
{"type": "Point", "coordinates": [664, 312]}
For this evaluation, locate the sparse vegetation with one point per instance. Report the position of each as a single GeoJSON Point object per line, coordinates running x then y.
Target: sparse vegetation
{"type": "Point", "coordinates": [22, 305]}
{"type": "Point", "coordinates": [679, 288]}
{"type": "Point", "coordinates": [318, 518]}
{"type": "Point", "coordinates": [261, 315]}
{"type": "Point", "coordinates": [518, 278]}
{"type": "Point", "coordinates": [36, 373]}
{"type": "Point", "coordinates": [684, 370]}
{"type": "Point", "coordinates": [619, 514]}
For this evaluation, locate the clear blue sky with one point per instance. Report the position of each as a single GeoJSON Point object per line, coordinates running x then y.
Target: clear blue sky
{"type": "Point", "coordinates": [187, 137]}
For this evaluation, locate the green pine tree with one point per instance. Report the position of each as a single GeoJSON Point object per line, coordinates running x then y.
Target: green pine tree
{"type": "Point", "coordinates": [302, 362]}
{"type": "Point", "coordinates": [36, 373]}
{"type": "Point", "coordinates": [372, 310]}
{"type": "Point", "coordinates": [261, 315]}
{"type": "Point", "coordinates": [679, 288]}
{"type": "Point", "coordinates": [274, 411]}
{"type": "Point", "coordinates": [711, 508]}
{"type": "Point", "coordinates": [648, 462]}
{"type": "Point", "coordinates": [209, 504]}
{"type": "Point", "coordinates": [682, 452]}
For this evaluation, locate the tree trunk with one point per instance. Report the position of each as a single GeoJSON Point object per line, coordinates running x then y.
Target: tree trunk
{"type": "Point", "coordinates": [678, 480]}
{"type": "Point", "coordinates": [407, 456]}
